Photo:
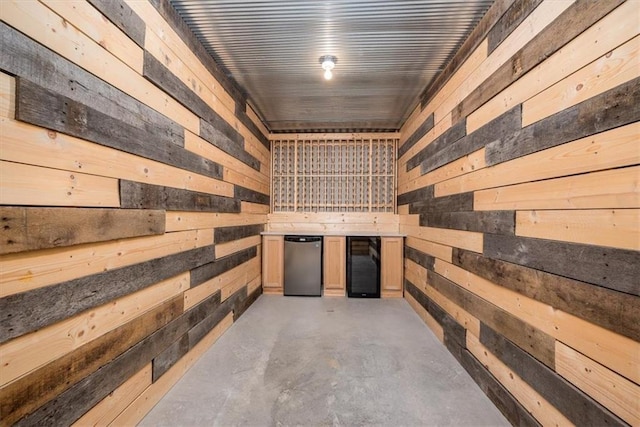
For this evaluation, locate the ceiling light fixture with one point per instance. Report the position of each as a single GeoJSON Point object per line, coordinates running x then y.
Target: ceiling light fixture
{"type": "Point", "coordinates": [328, 63]}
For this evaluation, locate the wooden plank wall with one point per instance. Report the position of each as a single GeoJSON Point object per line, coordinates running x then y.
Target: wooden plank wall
{"type": "Point", "coordinates": [518, 190]}
{"type": "Point", "coordinates": [134, 187]}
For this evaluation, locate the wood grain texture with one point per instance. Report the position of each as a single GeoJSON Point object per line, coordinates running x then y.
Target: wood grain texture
{"type": "Point", "coordinates": [617, 228]}
{"type": "Point", "coordinates": [214, 136]}
{"type": "Point", "coordinates": [421, 131]}
{"type": "Point", "coordinates": [206, 271]}
{"type": "Point", "coordinates": [616, 107]}
{"type": "Point", "coordinates": [612, 268]}
{"type": "Point", "coordinates": [573, 403]}
{"type": "Point", "coordinates": [613, 310]}
{"type": "Point", "coordinates": [43, 107]}
{"type": "Point", "coordinates": [228, 234]}
{"type": "Point", "coordinates": [248, 195]}
{"type": "Point", "coordinates": [118, 12]}
{"type": "Point", "coordinates": [572, 22]}
{"type": "Point", "coordinates": [496, 132]}
{"type": "Point", "coordinates": [26, 229]}
{"type": "Point", "coordinates": [30, 60]}
{"type": "Point", "coordinates": [414, 196]}
{"type": "Point", "coordinates": [479, 33]}
{"type": "Point", "coordinates": [420, 258]}
{"type": "Point", "coordinates": [510, 407]}
{"type": "Point", "coordinates": [496, 222]}
{"type": "Point", "coordinates": [137, 195]}
{"type": "Point", "coordinates": [615, 392]}
{"type": "Point", "coordinates": [451, 135]}
{"type": "Point", "coordinates": [31, 310]}
{"type": "Point", "coordinates": [77, 400]}
{"type": "Point", "coordinates": [455, 203]}
{"type": "Point", "coordinates": [29, 392]}
{"type": "Point", "coordinates": [513, 17]}
{"type": "Point", "coordinates": [534, 341]}
{"type": "Point", "coordinates": [536, 405]}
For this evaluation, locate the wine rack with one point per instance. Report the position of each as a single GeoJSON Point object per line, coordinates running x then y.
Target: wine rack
{"type": "Point", "coordinates": [333, 174]}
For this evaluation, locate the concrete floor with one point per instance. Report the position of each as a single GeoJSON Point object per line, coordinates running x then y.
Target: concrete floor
{"type": "Point", "coordinates": [326, 361]}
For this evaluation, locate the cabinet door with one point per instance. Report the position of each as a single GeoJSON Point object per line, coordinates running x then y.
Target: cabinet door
{"type": "Point", "coordinates": [272, 264]}
{"type": "Point", "coordinates": [391, 266]}
{"type": "Point", "coordinates": [335, 262]}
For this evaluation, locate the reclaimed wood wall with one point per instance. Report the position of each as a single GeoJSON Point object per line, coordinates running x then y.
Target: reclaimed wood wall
{"type": "Point", "coordinates": [134, 187]}
{"type": "Point", "coordinates": [518, 191]}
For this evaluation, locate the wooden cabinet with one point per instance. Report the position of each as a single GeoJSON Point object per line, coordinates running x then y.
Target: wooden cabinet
{"type": "Point", "coordinates": [391, 266]}
{"type": "Point", "coordinates": [335, 266]}
{"type": "Point", "coordinates": [273, 264]}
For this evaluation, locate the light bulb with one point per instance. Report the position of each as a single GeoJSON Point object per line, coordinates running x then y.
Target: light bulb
{"type": "Point", "coordinates": [328, 74]}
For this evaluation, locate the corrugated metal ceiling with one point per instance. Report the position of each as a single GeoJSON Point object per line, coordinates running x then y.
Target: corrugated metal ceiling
{"type": "Point", "coordinates": [388, 51]}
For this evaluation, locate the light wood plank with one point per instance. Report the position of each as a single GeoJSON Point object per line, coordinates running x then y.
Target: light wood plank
{"type": "Point", "coordinates": [543, 411]}
{"type": "Point", "coordinates": [43, 25]}
{"type": "Point", "coordinates": [239, 178]}
{"type": "Point", "coordinates": [452, 238]}
{"type": "Point", "coordinates": [462, 166]}
{"type": "Point", "coordinates": [111, 406]}
{"type": "Point", "coordinates": [343, 229]}
{"type": "Point", "coordinates": [426, 317]}
{"type": "Point", "coordinates": [134, 413]}
{"type": "Point", "coordinates": [434, 249]}
{"type": "Point", "coordinates": [7, 96]}
{"type": "Point", "coordinates": [391, 255]}
{"type": "Point", "coordinates": [438, 129]}
{"type": "Point", "coordinates": [616, 393]}
{"type": "Point", "coordinates": [614, 148]}
{"type": "Point", "coordinates": [544, 14]}
{"type": "Point", "coordinates": [24, 143]}
{"type": "Point", "coordinates": [252, 270]}
{"type": "Point", "coordinates": [181, 221]}
{"type": "Point", "coordinates": [256, 208]}
{"type": "Point", "coordinates": [334, 218]}
{"type": "Point", "coordinates": [92, 23]}
{"type": "Point", "coordinates": [35, 186]}
{"type": "Point", "coordinates": [20, 274]}
{"type": "Point", "coordinates": [619, 353]}
{"type": "Point", "coordinates": [28, 352]}
{"type": "Point", "coordinates": [273, 263]}
{"type": "Point", "coordinates": [256, 120]}
{"type": "Point", "coordinates": [616, 228]}
{"type": "Point", "coordinates": [613, 69]}
{"type": "Point", "coordinates": [609, 33]}
{"type": "Point", "coordinates": [616, 188]}
{"type": "Point", "coordinates": [229, 248]}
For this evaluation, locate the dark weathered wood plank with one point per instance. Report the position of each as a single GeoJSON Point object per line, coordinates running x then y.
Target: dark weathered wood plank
{"type": "Point", "coordinates": [612, 310]}
{"type": "Point", "coordinates": [573, 403]}
{"type": "Point", "coordinates": [42, 107]}
{"type": "Point", "coordinates": [454, 333]}
{"type": "Point", "coordinates": [248, 195]}
{"type": "Point", "coordinates": [27, 311]}
{"type": "Point", "coordinates": [33, 390]}
{"type": "Point", "coordinates": [241, 114]}
{"type": "Point", "coordinates": [416, 196]}
{"type": "Point", "coordinates": [537, 343]}
{"type": "Point", "coordinates": [23, 57]}
{"type": "Point", "coordinates": [450, 136]}
{"type": "Point", "coordinates": [616, 107]}
{"type": "Point", "coordinates": [242, 305]}
{"type": "Point", "coordinates": [137, 195]}
{"type": "Point", "coordinates": [462, 202]}
{"type": "Point", "coordinates": [513, 411]}
{"type": "Point", "coordinates": [497, 222]}
{"type": "Point", "coordinates": [612, 268]}
{"type": "Point", "coordinates": [213, 128]}
{"type": "Point", "coordinates": [228, 234]}
{"type": "Point", "coordinates": [214, 136]}
{"type": "Point", "coordinates": [123, 17]}
{"type": "Point", "coordinates": [422, 130]}
{"type": "Point", "coordinates": [204, 272]}
{"type": "Point", "coordinates": [28, 229]}
{"type": "Point", "coordinates": [419, 257]}
{"type": "Point", "coordinates": [571, 23]}
{"type": "Point", "coordinates": [509, 21]}
{"type": "Point", "coordinates": [219, 72]}
{"type": "Point", "coordinates": [498, 130]}
{"type": "Point", "coordinates": [478, 34]}
{"type": "Point", "coordinates": [70, 405]}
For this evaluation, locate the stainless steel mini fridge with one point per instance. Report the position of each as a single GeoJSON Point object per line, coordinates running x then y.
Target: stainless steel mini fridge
{"type": "Point", "coordinates": [303, 265]}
